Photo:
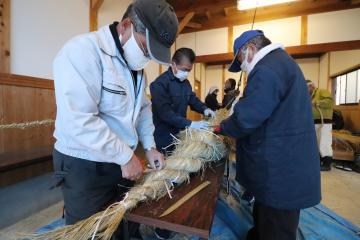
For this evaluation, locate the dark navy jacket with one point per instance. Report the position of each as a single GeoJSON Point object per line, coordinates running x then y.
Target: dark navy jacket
{"type": "Point", "coordinates": [170, 99]}
{"type": "Point", "coordinates": [277, 155]}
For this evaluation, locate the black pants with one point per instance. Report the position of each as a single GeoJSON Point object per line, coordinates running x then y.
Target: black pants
{"type": "Point", "coordinates": [88, 187]}
{"type": "Point", "coordinates": [273, 224]}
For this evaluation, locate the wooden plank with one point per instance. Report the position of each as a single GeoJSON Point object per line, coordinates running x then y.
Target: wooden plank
{"type": "Point", "coordinates": [15, 159]}
{"type": "Point", "coordinates": [1, 117]}
{"type": "Point", "coordinates": [93, 13]}
{"type": "Point", "coordinates": [226, 12]}
{"type": "Point", "coordinates": [342, 155]}
{"type": "Point", "coordinates": [5, 36]}
{"type": "Point", "coordinates": [185, 21]}
{"type": "Point", "coordinates": [26, 172]}
{"type": "Point", "coordinates": [25, 81]}
{"type": "Point", "coordinates": [292, 9]}
{"type": "Point", "coordinates": [304, 29]}
{"type": "Point", "coordinates": [304, 51]}
{"type": "Point", "coordinates": [194, 217]}
{"type": "Point", "coordinates": [23, 104]}
{"type": "Point", "coordinates": [208, 15]}
{"type": "Point", "coordinates": [193, 25]}
{"type": "Point", "coordinates": [96, 4]}
{"type": "Point", "coordinates": [200, 6]}
{"type": "Point", "coordinates": [230, 38]}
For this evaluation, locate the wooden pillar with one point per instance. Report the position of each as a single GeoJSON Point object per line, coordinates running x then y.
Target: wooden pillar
{"type": "Point", "coordinates": [5, 36]}
{"type": "Point", "coordinates": [230, 38]}
{"type": "Point", "coordinates": [94, 9]}
{"type": "Point", "coordinates": [304, 29]}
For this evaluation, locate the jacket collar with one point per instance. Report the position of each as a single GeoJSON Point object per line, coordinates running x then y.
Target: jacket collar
{"type": "Point", "coordinates": [107, 44]}
{"type": "Point", "coordinates": [262, 53]}
{"type": "Point", "coordinates": [171, 74]}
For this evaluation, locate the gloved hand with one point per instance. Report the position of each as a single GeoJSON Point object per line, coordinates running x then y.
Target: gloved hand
{"type": "Point", "coordinates": [209, 113]}
{"type": "Point", "coordinates": [199, 125]}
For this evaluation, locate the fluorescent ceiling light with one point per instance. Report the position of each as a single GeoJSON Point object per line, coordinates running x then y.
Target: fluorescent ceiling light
{"type": "Point", "coordinates": [247, 4]}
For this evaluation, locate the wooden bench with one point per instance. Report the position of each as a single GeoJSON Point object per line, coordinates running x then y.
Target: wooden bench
{"type": "Point", "coordinates": [20, 165]}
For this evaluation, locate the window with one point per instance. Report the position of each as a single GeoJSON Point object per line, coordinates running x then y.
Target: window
{"type": "Point", "coordinates": [347, 87]}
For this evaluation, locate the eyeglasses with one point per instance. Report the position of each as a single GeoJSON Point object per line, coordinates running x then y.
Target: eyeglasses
{"type": "Point", "coordinates": [143, 49]}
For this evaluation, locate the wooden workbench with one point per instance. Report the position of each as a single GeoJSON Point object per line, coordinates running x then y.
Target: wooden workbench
{"type": "Point", "coordinates": [195, 216]}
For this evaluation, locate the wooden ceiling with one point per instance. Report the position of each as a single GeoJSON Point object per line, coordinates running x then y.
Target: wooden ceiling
{"type": "Point", "coordinates": [198, 15]}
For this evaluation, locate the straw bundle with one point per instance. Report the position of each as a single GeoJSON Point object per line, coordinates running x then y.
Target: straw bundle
{"type": "Point", "coordinates": [194, 150]}
{"type": "Point", "coordinates": [346, 140]}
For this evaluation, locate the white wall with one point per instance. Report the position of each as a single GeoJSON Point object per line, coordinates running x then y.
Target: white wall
{"type": "Point", "coordinates": [112, 10]}
{"type": "Point", "coordinates": [286, 31]}
{"type": "Point", "coordinates": [342, 60]}
{"type": "Point", "coordinates": [334, 26]}
{"type": "Point", "coordinates": [310, 68]}
{"type": "Point", "coordinates": [39, 28]}
{"type": "Point", "coordinates": [211, 41]}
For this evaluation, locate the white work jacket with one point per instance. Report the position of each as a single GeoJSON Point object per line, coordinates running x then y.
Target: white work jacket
{"type": "Point", "coordinates": [101, 115]}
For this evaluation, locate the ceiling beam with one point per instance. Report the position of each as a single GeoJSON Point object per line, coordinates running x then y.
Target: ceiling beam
{"type": "Point", "coordinates": [292, 9]}
{"type": "Point", "coordinates": [226, 12]}
{"type": "Point", "coordinates": [194, 25]}
{"type": "Point", "coordinates": [94, 9]}
{"type": "Point", "coordinates": [201, 6]}
{"type": "Point", "coordinates": [5, 36]}
{"type": "Point", "coordinates": [185, 21]}
{"type": "Point", "coordinates": [208, 15]}
{"type": "Point", "coordinates": [303, 51]}
{"type": "Point", "coordinates": [96, 4]}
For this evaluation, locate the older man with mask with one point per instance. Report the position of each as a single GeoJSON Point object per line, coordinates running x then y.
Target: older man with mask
{"type": "Point", "coordinates": [277, 157]}
{"type": "Point", "coordinates": [102, 108]}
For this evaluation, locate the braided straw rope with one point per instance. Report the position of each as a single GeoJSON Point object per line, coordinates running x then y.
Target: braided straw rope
{"type": "Point", "coordinates": [27, 124]}
{"type": "Point", "coordinates": [195, 150]}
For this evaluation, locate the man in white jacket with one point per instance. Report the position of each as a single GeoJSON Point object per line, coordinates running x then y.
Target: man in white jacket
{"type": "Point", "coordinates": [102, 108]}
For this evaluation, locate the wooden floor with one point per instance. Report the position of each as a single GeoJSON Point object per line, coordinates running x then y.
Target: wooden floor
{"type": "Point", "coordinates": [340, 191]}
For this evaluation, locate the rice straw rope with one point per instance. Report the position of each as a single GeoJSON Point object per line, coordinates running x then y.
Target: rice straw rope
{"type": "Point", "coordinates": [194, 151]}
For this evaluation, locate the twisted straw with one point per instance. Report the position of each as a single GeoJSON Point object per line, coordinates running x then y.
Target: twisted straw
{"type": "Point", "coordinates": [27, 124]}
{"type": "Point", "coordinates": [194, 149]}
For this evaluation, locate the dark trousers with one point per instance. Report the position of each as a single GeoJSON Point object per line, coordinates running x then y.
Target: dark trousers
{"type": "Point", "coordinates": [88, 187]}
{"type": "Point", "coordinates": [273, 224]}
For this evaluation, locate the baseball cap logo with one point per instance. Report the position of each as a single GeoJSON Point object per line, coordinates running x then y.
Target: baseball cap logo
{"type": "Point", "coordinates": [165, 36]}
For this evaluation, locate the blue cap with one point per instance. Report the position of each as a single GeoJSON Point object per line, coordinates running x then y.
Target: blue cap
{"type": "Point", "coordinates": [239, 43]}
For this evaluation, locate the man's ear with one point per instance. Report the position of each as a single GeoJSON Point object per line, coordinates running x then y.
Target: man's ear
{"type": "Point", "coordinates": [123, 29]}
{"type": "Point", "coordinates": [253, 51]}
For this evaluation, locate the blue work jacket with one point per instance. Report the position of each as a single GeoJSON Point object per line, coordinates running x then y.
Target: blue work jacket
{"type": "Point", "coordinates": [170, 99]}
{"type": "Point", "coordinates": [277, 155]}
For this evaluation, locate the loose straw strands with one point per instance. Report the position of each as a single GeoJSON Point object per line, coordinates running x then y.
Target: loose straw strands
{"type": "Point", "coordinates": [194, 149]}
{"type": "Point", "coordinates": [347, 140]}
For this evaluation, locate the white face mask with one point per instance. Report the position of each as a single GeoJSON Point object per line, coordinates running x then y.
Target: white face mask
{"type": "Point", "coordinates": [133, 54]}
{"type": "Point", "coordinates": [181, 75]}
{"type": "Point", "coordinates": [245, 65]}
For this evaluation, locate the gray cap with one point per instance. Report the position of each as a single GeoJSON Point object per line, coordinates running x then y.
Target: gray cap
{"type": "Point", "coordinates": [161, 25]}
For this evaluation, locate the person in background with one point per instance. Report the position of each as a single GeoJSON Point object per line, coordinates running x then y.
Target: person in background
{"type": "Point", "coordinates": [322, 108]}
{"type": "Point", "coordinates": [211, 99]}
{"type": "Point", "coordinates": [102, 107]}
{"type": "Point", "coordinates": [230, 93]}
{"type": "Point", "coordinates": [276, 151]}
{"type": "Point", "coordinates": [171, 94]}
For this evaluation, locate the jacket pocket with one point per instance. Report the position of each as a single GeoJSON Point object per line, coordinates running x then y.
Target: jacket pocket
{"type": "Point", "coordinates": [114, 93]}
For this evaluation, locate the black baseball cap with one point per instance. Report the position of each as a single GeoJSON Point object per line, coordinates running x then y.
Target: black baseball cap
{"type": "Point", "coordinates": [161, 24]}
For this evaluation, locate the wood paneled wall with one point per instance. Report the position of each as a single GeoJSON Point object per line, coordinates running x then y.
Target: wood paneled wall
{"type": "Point", "coordinates": [351, 115]}
{"type": "Point", "coordinates": [24, 99]}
